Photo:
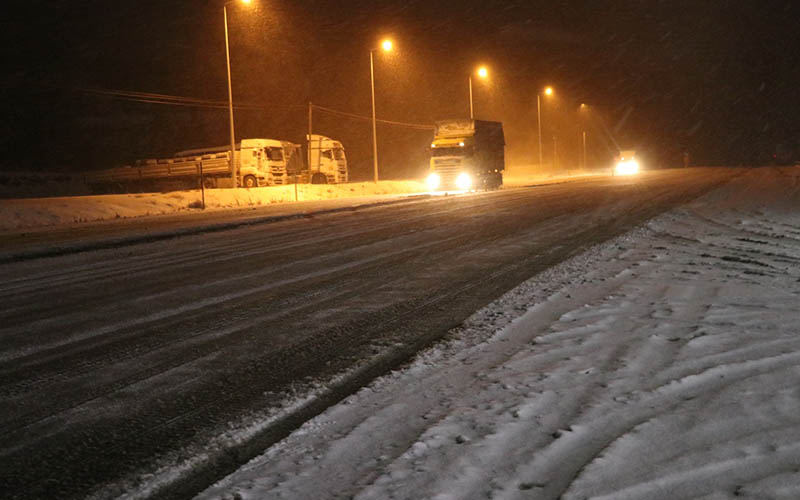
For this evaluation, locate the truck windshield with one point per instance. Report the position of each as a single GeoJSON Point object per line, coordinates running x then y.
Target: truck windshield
{"type": "Point", "coordinates": [338, 153]}
{"type": "Point", "coordinates": [275, 154]}
{"type": "Point", "coordinates": [457, 151]}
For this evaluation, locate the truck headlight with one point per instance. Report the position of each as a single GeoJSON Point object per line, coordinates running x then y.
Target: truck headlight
{"type": "Point", "coordinates": [433, 182]}
{"type": "Point", "coordinates": [630, 167]}
{"type": "Point", "coordinates": [463, 181]}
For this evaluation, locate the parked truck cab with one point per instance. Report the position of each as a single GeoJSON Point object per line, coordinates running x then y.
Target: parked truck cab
{"type": "Point", "coordinates": [327, 163]}
{"type": "Point", "coordinates": [263, 163]}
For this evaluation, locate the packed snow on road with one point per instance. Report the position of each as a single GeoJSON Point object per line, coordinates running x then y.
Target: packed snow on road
{"type": "Point", "coordinates": [663, 364]}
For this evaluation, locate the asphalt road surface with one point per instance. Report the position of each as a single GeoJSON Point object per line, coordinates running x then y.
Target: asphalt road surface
{"type": "Point", "coordinates": [118, 360]}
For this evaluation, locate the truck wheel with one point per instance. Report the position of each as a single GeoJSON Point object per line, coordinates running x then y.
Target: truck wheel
{"type": "Point", "coordinates": [319, 178]}
{"type": "Point", "coordinates": [250, 181]}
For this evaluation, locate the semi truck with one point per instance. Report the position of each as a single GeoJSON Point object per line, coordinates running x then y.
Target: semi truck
{"type": "Point", "coordinates": [467, 154]}
{"type": "Point", "coordinates": [259, 162]}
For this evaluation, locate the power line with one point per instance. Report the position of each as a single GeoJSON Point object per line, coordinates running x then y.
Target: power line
{"type": "Point", "coordinates": [367, 118]}
{"type": "Point", "coordinates": [175, 100]}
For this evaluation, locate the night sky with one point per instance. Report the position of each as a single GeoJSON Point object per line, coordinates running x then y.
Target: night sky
{"type": "Point", "coordinates": [720, 79]}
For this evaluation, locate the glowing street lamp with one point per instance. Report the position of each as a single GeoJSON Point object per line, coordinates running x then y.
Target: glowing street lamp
{"type": "Point", "coordinates": [386, 46]}
{"type": "Point", "coordinates": [584, 107]}
{"type": "Point", "coordinates": [483, 73]}
{"type": "Point", "coordinates": [548, 91]}
{"type": "Point", "coordinates": [230, 92]}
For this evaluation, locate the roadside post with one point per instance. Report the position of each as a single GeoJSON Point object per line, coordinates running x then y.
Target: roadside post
{"type": "Point", "coordinates": [202, 185]}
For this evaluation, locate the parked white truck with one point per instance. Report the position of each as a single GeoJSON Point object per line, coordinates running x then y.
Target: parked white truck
{"type": "Point", "coordinates": [327, 163]}
{"type": "Point", "coordinates": [259, 162]}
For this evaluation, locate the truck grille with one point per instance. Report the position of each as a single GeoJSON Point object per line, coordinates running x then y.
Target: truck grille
{"type": "Point", "coordinates": [448, 169]}
{"type": "Point", "coordinates": [277, 175]}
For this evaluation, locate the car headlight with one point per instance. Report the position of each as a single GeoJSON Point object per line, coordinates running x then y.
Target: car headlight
{"type": "Point", "coordinates": [433, 182]}
{"type": "Point", "coordinates": [463, 181]}
{"type": "Point", "coordinates": [627, 168]}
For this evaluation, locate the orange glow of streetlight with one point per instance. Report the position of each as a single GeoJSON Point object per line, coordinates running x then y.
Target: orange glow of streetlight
{"type": "Point", "coordinates": [387, 45]}
{"type": "Point", "coordinates": [548, 91]}
{"type": "Point", "coordinates": [246, 1]}
{"type": "Point", "coordinates": [483, 72]}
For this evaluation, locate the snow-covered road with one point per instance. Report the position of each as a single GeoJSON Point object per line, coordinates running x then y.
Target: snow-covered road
{"type": "Point", "coordinates": [664, 364]}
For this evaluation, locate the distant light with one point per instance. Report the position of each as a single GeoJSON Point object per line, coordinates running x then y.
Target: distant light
{"type": "Point", "coordinates": [627, 167]}
{"type": "Point", "coordinates": [387, 45]}
{"type": "Point", "coordinates": [461, 144]}
{"type": "Point", "coordinates": [483, 72]}
{"type": "Point", "coordinates": [433, 145]}
{"type": "Point", "coordinates": [245, 1]}
{"type": "Point", "coordinates": [548, 91]}
{"type": "Point", "coordinates": [584, 106]}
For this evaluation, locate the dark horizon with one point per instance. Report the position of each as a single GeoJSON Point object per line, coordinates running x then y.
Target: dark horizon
{"type": "Point", "coordinates": [715, 79]}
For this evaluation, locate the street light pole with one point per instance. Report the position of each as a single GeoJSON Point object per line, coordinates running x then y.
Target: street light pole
{"type": "Point", "coordinates": [374, 124]}
{"type": "Point", "coordinates": [386, 45]}
{"type": "Point", "coordinates": [539, 119]}
{"type": "Point", "coordinates": [482, 73]}
{"type": "Point", "coordinates": [584, 150]}
{"type": "Point", "coordinates": [230, 97]}
{"type": "Point", "coordinates": [547, 91]}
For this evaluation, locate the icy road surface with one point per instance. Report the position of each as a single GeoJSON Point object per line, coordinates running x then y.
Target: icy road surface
{"type": "Point", "coordinates": [170, 363]}
{"type": "Point", "coordinates": [662, 365]}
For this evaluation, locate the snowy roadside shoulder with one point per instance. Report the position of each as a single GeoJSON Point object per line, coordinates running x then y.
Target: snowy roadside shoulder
{"type": "Point", "coordinates": [664, 364]}
{"type": "Point", "coordinates": [40, 212]}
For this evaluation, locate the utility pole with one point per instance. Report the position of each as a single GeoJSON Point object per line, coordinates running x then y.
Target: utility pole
{"type": "Point", "coordinates": [310, 117]}
{"type": "Point", "coordinates": [471, 114]}
{"type": "Point", "coordinates": [555, 153]}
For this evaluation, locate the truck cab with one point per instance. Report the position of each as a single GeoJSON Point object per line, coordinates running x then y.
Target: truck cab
{"type": "Point", "coordinates": [327, 162]}
{"type": "Point", "coordinates": [467, 154]}
{"type": "Point", "coordinates": [261, 162]}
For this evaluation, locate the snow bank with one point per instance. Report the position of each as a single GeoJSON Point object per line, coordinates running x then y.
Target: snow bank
{"type": "Point", "coordinates": [35, 212]}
